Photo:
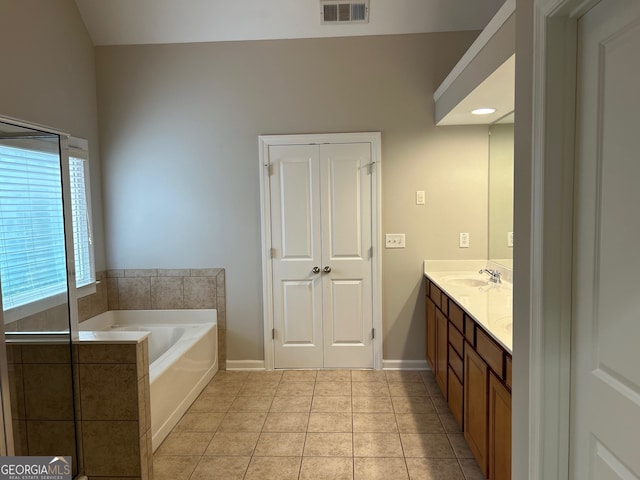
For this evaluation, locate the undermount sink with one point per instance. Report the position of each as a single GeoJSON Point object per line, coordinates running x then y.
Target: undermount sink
{"type": "Point", "coordinates": [465, 281]}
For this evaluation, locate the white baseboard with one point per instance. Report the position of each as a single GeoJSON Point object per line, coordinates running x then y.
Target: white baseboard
{"type": "Point", "coordinates": [249, 365]}
{"type": "Point", "coordinates": [245, 365]}
{"type": "Point", "coordinates": [405, 365]}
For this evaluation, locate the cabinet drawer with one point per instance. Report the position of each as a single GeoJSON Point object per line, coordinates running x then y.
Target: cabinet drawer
{"type": "Point", "coordinates": [444, 304]}
{"type": "Point", "coordinates": [435, 294]}
{"type": "Point", "coordinates": [456, 316]}
{"type": "Point", "coordinates": [455, 339]}
{"type": "Point", "coordinates": [491, 353]}
{"type": "Point", "coordinates": [508, 372]}
{"type": "Point", "coordinates": [455, 362]}
{"type": "Point", "coordinates": [455, 397]}
{"type": "Point", "coordinates": [470, 330]}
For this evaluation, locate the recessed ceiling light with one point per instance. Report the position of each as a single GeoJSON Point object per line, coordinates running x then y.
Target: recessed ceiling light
{"type": "Point", "coordinates": [483, 111]}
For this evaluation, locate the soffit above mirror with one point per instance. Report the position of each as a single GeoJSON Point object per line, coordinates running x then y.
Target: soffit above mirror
{"type": "Point", "coordinates": [484, 76]}
{"type": "Point", "coordinates": [507, 119]}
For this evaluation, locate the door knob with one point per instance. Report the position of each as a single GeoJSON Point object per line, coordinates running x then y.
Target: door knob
{"type": "Point", "coordinates": [327, 269]}
{"type": "Point", "coordinates": [315, 269]}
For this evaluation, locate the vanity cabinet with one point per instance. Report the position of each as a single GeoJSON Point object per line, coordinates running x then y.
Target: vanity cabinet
{"type": "Point", "coordinates": [437, 325]}
{"type": "Point", "coordinates": [474, 375]}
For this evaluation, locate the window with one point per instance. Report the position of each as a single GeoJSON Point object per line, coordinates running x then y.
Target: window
{"type": "Point", "coordinates": [81, 213]}
{"type": "Point", "coordinates": [32, 244]}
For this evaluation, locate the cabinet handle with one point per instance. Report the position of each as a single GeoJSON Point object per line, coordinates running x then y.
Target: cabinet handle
{"type": "Point", "coordinates": [315, 269]}
{"type": "Point", "coordinates": [327, 269]}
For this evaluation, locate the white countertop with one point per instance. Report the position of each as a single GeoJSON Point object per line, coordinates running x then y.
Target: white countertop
{"type": "Point", "coordinates": [490, 305]}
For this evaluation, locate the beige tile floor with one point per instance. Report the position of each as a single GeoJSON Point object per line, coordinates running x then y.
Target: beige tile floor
{"type": "Point", "coordinates": [325, 424]}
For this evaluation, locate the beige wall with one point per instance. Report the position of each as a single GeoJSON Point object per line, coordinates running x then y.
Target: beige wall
{"type": "Point", "coordinates": [179, 127]}
{"type": "Point", "coordinates": [48, 77]}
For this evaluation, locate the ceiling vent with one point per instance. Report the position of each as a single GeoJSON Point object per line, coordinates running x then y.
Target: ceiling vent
{"type": "Point", "coordinates": [333, 12]}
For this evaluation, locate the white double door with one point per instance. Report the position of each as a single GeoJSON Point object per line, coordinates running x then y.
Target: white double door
{"type": "Point", "coordinates": [321, 222]}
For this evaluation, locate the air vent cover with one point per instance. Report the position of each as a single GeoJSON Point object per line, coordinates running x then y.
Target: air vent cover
{"type": "Point", "coordinates": [334, 12]}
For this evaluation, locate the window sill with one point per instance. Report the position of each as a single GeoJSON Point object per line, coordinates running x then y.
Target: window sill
{"type": "Point", "coordinates": [86, 290]}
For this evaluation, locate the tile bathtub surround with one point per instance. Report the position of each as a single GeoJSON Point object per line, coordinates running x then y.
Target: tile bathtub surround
{"type": "Point", "coordinates": [160, 289]}
{"type": "Point", "coordinates": [95, 303]}
{"type": "Point", "coordinates": [41, 392]}
{"type": "Point", "coordinates": [156, 289]}
{"type": "Point", "coordinates": [114, 410]}
{"type": "Point", "coordinates": [327, 424]}
{"type": "Point", "coordinates": [112, 418]}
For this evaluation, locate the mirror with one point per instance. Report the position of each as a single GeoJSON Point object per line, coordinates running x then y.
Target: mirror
{"type": "Point", "coordinates": [501, 192]}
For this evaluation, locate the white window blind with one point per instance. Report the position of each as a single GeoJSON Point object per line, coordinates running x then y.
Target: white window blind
{"type": "Point", "coordinates": [32, 244]}
{"type": "Point", "coordinates": [32, 249]}
{"type": "Point", "coordinates": [82, 227]}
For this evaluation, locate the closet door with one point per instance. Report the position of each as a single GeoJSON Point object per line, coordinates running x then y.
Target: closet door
{"type": "Point", "coordinates": [320, 201]}
{"type": "Point", "coordinates": [296, 251]}
{"type": "Point", "coordinates": [346, 250]}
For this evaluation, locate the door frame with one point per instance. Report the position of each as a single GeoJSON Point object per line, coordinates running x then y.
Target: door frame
{"type": "Point", "coordinates": [546, 60]}
{"type": "Point", "coordinates": [265, 141]}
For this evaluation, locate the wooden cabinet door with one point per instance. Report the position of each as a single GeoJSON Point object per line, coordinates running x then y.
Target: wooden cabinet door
{"type": "Point", "coordinates": [454, 395]}
{"type": "Point", "coordinates": [476, 387]}
{"type": "Point", "coordinates": [499, 430]}
{"type": "Point", "coordinates": [442, 346]}
{"type": "Point", "coordinates": [431, 334]}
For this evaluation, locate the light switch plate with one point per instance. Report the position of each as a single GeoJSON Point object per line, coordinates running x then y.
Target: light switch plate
{"type": "Point", "coordinates": [464, 240]}
{"type": "Point", "coordinates": [420, 197]}
{"type": "Point", "coordinates": [394, 240]}
{"type": "Point", "coordinates": [509, 239]}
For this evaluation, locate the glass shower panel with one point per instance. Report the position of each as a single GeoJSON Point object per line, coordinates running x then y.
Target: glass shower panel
{"type": "Point", "coordinates": [34, 293]}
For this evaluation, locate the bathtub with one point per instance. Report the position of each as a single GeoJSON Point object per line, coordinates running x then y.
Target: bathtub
{"type": "Point", "coordinates": [183, 357]}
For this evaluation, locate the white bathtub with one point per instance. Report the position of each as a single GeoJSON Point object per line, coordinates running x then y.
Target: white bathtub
{"type": "Point", "coordinates": [183, 357]}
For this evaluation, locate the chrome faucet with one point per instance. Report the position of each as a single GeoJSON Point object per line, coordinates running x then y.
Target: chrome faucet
{"type": "Point", "coordinates": [495, 274]}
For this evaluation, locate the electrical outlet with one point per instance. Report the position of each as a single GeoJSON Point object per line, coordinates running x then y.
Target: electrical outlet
{"type": "Point", "coordinates": [394, 240]}
{"type": "Point", "coordinates": [509, 239]}
{"type": "Point", "coordinates": [464, 240]}
{"type": "Point", "coordinates": [420, 197]}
